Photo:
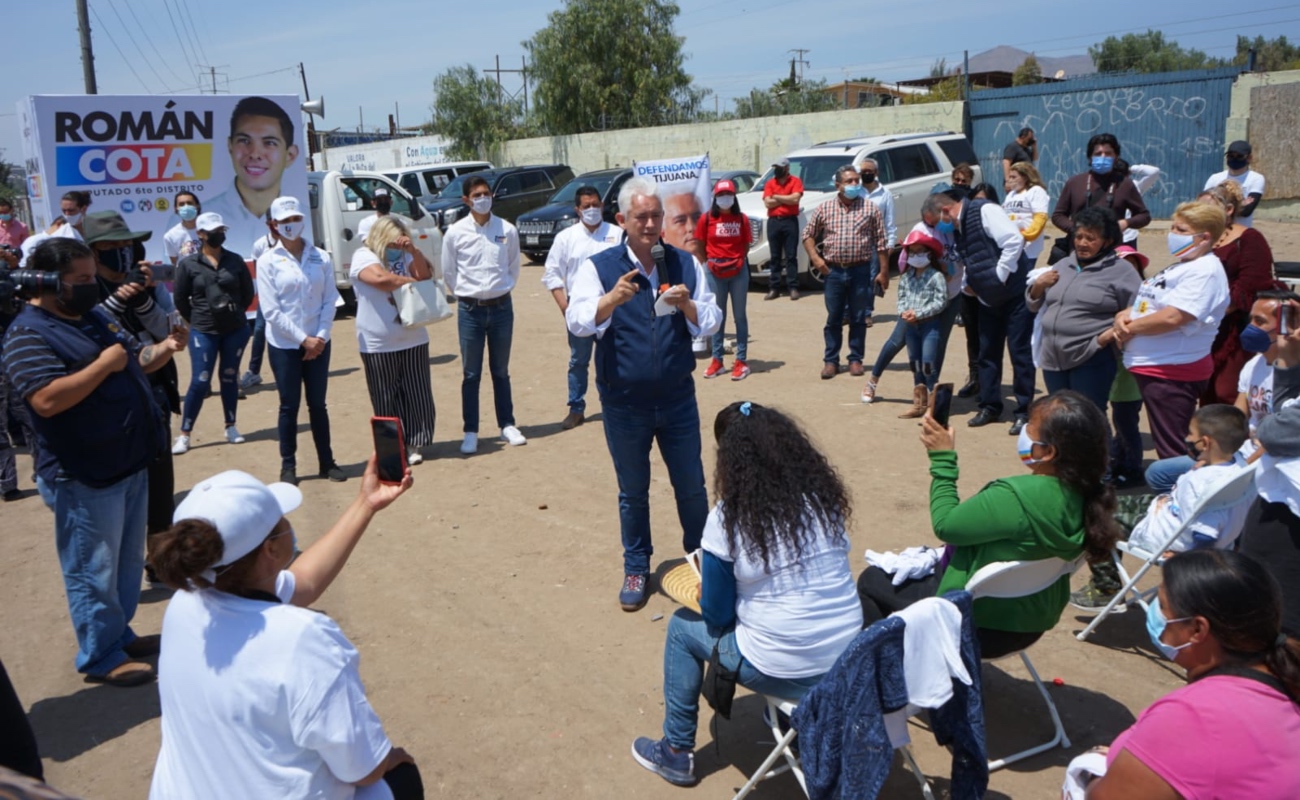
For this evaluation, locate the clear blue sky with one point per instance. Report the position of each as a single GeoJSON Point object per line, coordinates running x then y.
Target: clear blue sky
{"type": "Point", "coordinates": [372, 55]}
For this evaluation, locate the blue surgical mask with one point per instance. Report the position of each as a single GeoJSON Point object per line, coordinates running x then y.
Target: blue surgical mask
{"type": "Point", "coordinates": [853, 191]}
{"type": "Point", "coordinates": [1102, 164]}
{"type": "Point", "coordinates": [1156, 624]}
{"type": "Point", "coordinates": [1255, 339]}
{"type": "Point", "coordinates": [6, 217]}
{"type": "Point", "coordinates": [187, 213]}
{"type": "Point", "coordinates": [1180, 244]}
{"type": "Point", "coordinates": [392, 254]}
{"type": "Point", "coordinates": [946, 226]}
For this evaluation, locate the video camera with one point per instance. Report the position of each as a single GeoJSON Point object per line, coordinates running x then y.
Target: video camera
{"type": "Point", "coordinates": [17, 285]}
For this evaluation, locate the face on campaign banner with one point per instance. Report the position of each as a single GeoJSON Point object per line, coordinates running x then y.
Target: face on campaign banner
{"type": "Point", "coordinates": [134, 154]}
{"type": "Point", "coordinates": [685, 188]}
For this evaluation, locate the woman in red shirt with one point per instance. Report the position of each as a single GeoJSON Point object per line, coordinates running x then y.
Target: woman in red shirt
{"type": "Point", "coordinates": [724, 232]}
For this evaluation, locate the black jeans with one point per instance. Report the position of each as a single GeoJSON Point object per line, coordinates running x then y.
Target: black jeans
{"type": "Point", "coordinates": [293, 372]}
{"type": "Point", "coordinates": [1272, 537]}
{"type": "Point", "coordinates": [783, 245]}
{"type": "Point", "coordinates": [1009, 326]}
{"type": "Point", "coordinates": [970, 318]}
{"type": "Point", "coordinates": [17, 742]}
{"type": "Point", "coordinates": [880, 598]}
{"type": "Point", "coordinates": [404, 782]}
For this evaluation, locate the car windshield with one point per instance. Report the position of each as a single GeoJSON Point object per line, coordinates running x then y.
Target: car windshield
{"type": "Point", "coordinates": [816, 172]}
{"type": "Point", "coordinates": [569, 191]}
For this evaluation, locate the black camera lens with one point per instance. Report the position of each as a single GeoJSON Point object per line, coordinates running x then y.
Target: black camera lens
{"type": "Point", "coordinates": [30, 283]}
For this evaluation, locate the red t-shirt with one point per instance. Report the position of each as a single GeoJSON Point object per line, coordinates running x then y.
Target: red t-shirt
{"type": "Point", "coordinates": [726, 237]}
{"type": "Point", "coordinates": [792, 185]}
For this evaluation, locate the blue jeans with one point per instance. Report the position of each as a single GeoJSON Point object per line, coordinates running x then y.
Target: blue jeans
{"type": "Point", "coordinates": [493, 326]}
{"type": "Point", "coordinates": [850, 285]}
{"type": "Point", "coordinates": [1092, 378]}
{"type": "Point", "coordinates": [688, 647]}
{"type": "Point", "coordinates": [259, 343]}
{"type": "Point", "coordinates": [1008, 326]}
{"type": "Point", "coordinates": [629, 433]}
{"type": "Point", "coordinates": [737, 288]}
{"type": "Point", "coordinates": [579, 361]}
{"type": "Point", "coordinates": [206, 351]}
{"type": "Point", "coordinates": [1163, 474]}
{"type": "Point", "coordinates": [871, 283]}
{"type": "Point", "coordinates": [889, 351]}
{"type": "Point", "coordinates": [100, 536]}
{"type": "Point", "coordinates": [923, 350]}
{"type": "Point", "coordinates": [292, 374]}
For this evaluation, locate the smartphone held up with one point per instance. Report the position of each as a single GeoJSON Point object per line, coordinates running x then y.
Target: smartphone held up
{"type": "Point", "coordinates": [390, 449]}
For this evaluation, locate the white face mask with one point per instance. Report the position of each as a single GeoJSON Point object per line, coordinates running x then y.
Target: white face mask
{"type": "Point", "coordinates": [290, 230]}
{"type": "Point", "coordinates": [592, 216]}
{"type": "Point", "coordinates": [918, 260]}
{"type": "Point", "coordinates": [481, 205]}
{"type": "Point", "coordinates": [725, 202]}
{"type": "Point", "coordinates": [72, 219]}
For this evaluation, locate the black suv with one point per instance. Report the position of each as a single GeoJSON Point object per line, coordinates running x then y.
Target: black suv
{"type": "Point", "coordinates": [537, 228]}
{"type": "Point", "coordinates": [514, 191]}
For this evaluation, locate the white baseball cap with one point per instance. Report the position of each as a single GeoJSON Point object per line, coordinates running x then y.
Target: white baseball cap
{"type": "Point", "coordinates": [381, 192]}
{"type": "Point", "coordinates": [242, 509]}
{"type": "Point", "coordinates": [284, 207]}
{"type": "Point", "coordinates": [209, 221]}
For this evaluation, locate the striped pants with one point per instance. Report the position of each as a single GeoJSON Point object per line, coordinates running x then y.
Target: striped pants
{"type": "Point", "coordinates": [401, 386]}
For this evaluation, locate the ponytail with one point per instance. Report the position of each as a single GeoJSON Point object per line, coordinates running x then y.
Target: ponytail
{"type": "Point", "coordinates": [1284, 662]}
{"type": "Point", "coordinates": [184, 552]}
{"type": "Point", "coordinates": [1076, 428]}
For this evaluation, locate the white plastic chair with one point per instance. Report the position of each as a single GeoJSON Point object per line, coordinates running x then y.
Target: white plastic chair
{"type": "Point", "coordinates": [1020, 579]}
{"type": "Point", "coordinates": [1237, 488]}
{"type": "Point", "coordinates": [783, 740]}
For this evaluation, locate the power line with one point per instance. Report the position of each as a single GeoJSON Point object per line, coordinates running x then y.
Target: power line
{"type": "Point", "coordinates": [166, 62]}
{"type": "Point", "coordinates": [119, 50]}
{"type": "Point", "coordinates": [138, 48]}
{"type": "Point", "coordinates": [182, 39]}
{"type": "Point", "coordinates": [185, 6]}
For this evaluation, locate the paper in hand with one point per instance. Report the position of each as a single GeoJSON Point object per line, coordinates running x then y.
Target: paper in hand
{"type": "Point", "coordinates": [662, 308]}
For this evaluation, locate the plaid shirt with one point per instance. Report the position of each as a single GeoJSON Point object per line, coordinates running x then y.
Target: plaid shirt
{"type": "Point", "coordinates": [924, 292]}
{"type": "Point", "coordinates": [850, 234]}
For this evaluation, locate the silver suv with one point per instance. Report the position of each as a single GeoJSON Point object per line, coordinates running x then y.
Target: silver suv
{"type": "Point", "coordinates": [910, 166]}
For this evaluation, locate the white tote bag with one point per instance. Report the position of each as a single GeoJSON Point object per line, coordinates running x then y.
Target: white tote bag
{"type": "Point", "coordinates": [422, 303]}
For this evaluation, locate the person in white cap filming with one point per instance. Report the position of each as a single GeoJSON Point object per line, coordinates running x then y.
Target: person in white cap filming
{"type": "Point", "coordinates": [297, 295]}
{"type": "Point", "coordinates": [262, 697]}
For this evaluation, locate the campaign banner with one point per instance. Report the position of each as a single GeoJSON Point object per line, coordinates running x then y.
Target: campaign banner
{"type": "Point", "coordinates": [686, 190]}
{"type": "Point", "coordinates": [133, 154]}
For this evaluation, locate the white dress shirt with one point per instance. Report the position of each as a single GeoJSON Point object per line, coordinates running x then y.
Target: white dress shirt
{"type": "Point", "coordinates": [481, 261]}
{"type": "Point", "coordinates": [243, 227]}
{"type": "Point", "coordinates": [1005, 235]}
{"type": "Point", "coordinates": [885, 202]}
{"type": "Point", "coordinates": [297, 299]}
{"type": "Point", "coordinates": [574, 245]}
{"type": "Point", "coordinates": [587, 291]}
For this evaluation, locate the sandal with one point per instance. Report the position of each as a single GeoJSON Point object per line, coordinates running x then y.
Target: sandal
{"type": "Point", "coordinates": [128, 673]}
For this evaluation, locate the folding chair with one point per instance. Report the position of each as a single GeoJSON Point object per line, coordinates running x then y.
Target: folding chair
{"type": "Point", "coordinates": [1020, 579]}
{"type": "Point", "coordinates": [783, 741]}
{"type": "Point", "coordinates": [1236, 488]}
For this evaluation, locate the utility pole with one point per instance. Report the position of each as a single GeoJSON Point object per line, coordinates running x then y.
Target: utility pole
{"type": "Point", "coordinates": [522, 72]}
{"type": "Point", "coordinates": [87, 53]}
{"type": "Point", "coordinates": [798, 59]}
{"type": "Point", "coordinates": [212, 72]}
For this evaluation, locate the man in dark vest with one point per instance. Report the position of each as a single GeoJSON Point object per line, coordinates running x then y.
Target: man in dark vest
{"type": "Point", "coordinates": [644, 302]}
{"type": "Point", "coordinates": [992, 249]}
{"type": "Point", "coordinates": [83, 380]}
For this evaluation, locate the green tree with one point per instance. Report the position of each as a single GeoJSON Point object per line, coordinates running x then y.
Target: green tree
{"type": "Point", "coordinates": [939, 68]}
{"type": "Point", "coordinates": [470, 110]}
{"type": "Point", "coordinates": [1028, 73]}
{"type": "Point", "coordinates": [945, 90]}
{"type": "Point", "coordinates": [1270, 54]}
{"type": "Point", "coordinates": [1147, 52]}
{"type": "Point", "coordinates": [786, 97]}
{"type": "Point", "coordinates": [603, 64]}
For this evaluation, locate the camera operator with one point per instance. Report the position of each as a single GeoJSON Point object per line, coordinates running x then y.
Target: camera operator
{"type": "Point", "coordinates": [83, 380]}
{"type": "Point", "coordinates": [10, 405]}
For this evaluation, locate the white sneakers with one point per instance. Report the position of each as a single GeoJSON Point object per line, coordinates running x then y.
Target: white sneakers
{"type": "Point", "coordinates": [249, 379]}
{"type": "Point", "coordinates": [512, 436]}
{"type": "Point", "coordinates": [181, 445]}
{"type": "Point", "coordinates": [470, 445]}
{"type": "Point", "coordinates": [414, 458]}
{"type": "Point", "coordinates": [233, 436]}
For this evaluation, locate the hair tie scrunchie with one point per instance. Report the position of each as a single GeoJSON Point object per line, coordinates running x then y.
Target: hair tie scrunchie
{"type": "Point", "coordinates": [745, 408]}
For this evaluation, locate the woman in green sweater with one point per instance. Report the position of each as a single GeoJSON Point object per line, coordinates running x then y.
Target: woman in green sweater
{"type": "Point", "coordinates": [1059, 510]}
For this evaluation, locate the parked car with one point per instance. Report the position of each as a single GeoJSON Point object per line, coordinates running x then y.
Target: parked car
{"type": "Point", "coordinates": [424, 183]}
{"type": "Point", "coordinates": [514, 191]}
{"type": "Point", "coordinates": [341, 199]}
{"type": "Point", "coordinates": [910, 166]}
{"type": "Point", "coordinates": [537, 228]}
{"type": "Point", "coordinates": [745, 179]}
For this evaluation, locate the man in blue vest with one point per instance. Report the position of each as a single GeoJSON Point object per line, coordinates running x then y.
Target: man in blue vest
{"type": "Point", "coordinates": [83, 380]}
{"type": "Point", "coordinates": [992, 249]}
{"type": "Point", "coordinates": [644, 302]}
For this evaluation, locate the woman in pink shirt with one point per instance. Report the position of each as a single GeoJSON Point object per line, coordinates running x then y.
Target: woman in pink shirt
{"type": "Point", "coordinates": [1234, 731]}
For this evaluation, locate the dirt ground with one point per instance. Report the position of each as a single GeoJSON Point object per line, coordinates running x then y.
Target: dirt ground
{"type": "Point", "coordinates": [484, 605]}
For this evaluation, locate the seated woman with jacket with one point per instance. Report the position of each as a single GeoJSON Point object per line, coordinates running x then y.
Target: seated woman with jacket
{"type": "Point", "coordinates": [1060, 510]}
{"type": "Point", "coordinates": [777, 597]}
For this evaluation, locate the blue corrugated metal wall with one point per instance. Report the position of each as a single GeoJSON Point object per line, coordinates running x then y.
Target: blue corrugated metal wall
{"type": "Point", "coordinates": [1172, 120]}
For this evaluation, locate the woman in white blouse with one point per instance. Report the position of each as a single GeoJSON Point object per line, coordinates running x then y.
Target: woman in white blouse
{"type": "Point", "coordinates": [1027, 204]}
{"type": "Point", "coordinates": [395, 359]}
{"type": "Point", "coordinates": [297, 295]}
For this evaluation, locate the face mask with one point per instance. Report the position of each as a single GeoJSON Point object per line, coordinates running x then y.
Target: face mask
{"type": "Point", "coordinates": [6, 217]}
{"type": "Point", "coordinates": [946, 226]}
{"type": "Point", "coordinates": [481, 205]}
{"type": "Point", "coordinates": [383, 204]}
{"type": "Point", "coordinates": [1180, 244]}
{"type": "Point", "coordinates": [187, 213]}
{"type": "Point", "coordinates": [1237, 163]}
{"type": "Point", "coordinates": [393, 254]}
{"type": "Point", "coordinates": [868, 177]}
{"type": "Point", "coordinates": [80, 298]}
{"type": "Point", "coordinates": [1156, 623]}
{"type": "Point", "coordinates": [216, 238]}
{"type": "Point", "coordinates": [725, 202]}
{"type": "Point", "coordinates": [918, 260]}
{"type": "Point", "coordinates": [118, 259]}
{"type": "Point", "coordinates": [592, 216]}
{"type": "Point", "coordinates": [1025, 447]}
{"type": "Point", "coordinates": [1102, 164]}
{"type": "Point", "coordinates": [853, 191]}
{"type": "Point", "coordinates": [781, 172]}
{"type": "Point", "coordinates": [1255, 339]}
{"type": "Point", "coordinates": [288, 230]}
{"type": "Point", "coordinates": [1194, 450]}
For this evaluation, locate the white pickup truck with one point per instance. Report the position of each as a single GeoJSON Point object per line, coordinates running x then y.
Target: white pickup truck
{"type": "Point", "coordinates": [341, 199]}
